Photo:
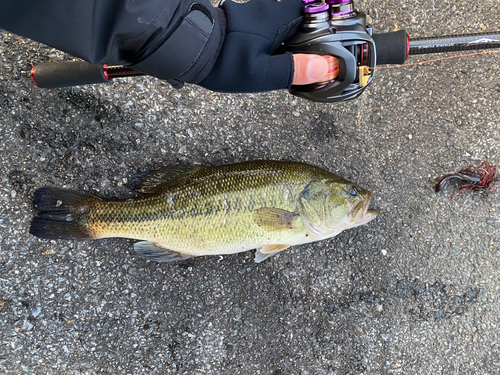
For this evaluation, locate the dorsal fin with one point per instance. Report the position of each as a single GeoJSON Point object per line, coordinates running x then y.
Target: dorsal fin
{"type": "Point", "coordinates": [151, 181]}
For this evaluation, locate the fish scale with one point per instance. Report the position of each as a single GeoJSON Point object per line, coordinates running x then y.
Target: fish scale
{"type": "Point", "coordinates": [221, 210]}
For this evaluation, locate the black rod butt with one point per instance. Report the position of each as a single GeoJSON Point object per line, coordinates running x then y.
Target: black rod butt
{"type": "Point", "coordinates": [66, 74]}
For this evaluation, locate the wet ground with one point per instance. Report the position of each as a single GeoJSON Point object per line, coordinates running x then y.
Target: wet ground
{"type": "Point", "coordinates": [414, 292]}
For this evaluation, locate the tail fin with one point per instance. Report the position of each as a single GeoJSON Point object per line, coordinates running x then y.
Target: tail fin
{"type": "Point", "coordinates": [60, 214]}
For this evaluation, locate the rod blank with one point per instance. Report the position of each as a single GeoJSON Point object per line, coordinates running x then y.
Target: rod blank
{"type": "Point", "coordinates": [454, 43]}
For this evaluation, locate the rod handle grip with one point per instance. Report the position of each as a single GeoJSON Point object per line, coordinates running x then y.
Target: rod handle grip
{"type": "Point", "coordinates": [69, 73]}
{"type": "Point", "coordinates": [392, 48]}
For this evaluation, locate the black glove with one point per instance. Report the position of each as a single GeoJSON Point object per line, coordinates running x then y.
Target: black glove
{"type": "Point", "coordinates": [254, 31]}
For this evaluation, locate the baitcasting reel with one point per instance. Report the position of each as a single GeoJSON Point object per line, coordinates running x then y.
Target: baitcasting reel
{"type": "Point", "coordinates": [333, 28]}
{"type": "Point", "coordinates": [336, 29]}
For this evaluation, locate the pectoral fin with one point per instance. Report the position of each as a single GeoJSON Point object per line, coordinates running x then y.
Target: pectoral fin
{"type": "Point", "coordinates": [274, 218]}
{"type": "Point", "coordinates": [154, 252]}
{"type": "Point", "coordinates": [267, 251]}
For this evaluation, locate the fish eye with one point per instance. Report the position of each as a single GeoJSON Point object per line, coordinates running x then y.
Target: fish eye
{"type": "Point", "coordinates": [353, 192]}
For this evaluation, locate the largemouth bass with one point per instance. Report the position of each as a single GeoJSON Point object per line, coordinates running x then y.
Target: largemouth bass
{"type": "Point", "coordinates": [195, 211]}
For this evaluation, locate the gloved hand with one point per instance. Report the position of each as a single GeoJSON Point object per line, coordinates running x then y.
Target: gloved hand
{"type": "Point", "coordinates": [254, 31]}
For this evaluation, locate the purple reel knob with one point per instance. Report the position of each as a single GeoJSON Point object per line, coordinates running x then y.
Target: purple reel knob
{"type": "Point", "coordinates": [341, 8]}
{"type": "Point", "coordinates": [316, 8]}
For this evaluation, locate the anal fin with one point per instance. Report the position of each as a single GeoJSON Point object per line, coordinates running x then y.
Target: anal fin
{"type": "Point", "coordinates": [157, 253]}
{"type": "Point", "coordinates": [268, 250]}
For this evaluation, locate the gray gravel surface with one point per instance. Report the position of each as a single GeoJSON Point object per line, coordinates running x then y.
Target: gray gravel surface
{"type": "Point", "coordinates": [414, 292]}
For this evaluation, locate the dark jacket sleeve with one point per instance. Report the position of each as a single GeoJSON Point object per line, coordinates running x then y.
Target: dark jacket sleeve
{"type": "Point", "coordinates": [177, 40]}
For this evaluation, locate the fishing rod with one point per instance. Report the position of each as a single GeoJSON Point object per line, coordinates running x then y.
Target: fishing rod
{"type": "Point", "coordinates": [333, 28]}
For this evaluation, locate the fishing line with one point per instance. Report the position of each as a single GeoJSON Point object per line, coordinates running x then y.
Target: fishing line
{"type": "Point", "coordinates": [434, 60]}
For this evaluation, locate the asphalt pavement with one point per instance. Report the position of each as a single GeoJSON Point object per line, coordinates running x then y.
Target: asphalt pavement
{"type": "Point", "coordinates": [415, 291]}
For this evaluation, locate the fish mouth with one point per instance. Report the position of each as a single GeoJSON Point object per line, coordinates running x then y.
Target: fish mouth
{"type": "Point", "coordinates": [360, 212]}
